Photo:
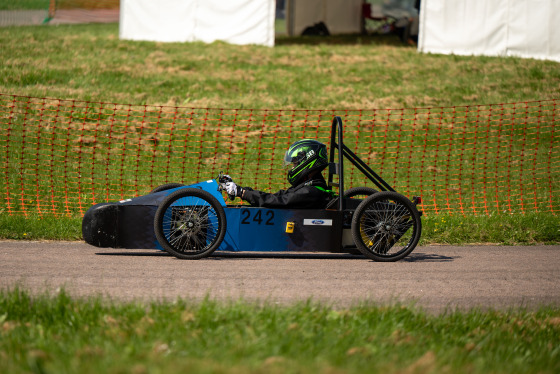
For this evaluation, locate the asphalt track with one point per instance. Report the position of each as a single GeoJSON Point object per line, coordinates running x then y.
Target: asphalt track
{"type": "Point", "coordinates": [435, 278]}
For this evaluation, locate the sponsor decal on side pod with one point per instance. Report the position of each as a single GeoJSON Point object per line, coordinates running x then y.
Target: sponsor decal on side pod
{"type": "Point", "coordinates": [317, 222]}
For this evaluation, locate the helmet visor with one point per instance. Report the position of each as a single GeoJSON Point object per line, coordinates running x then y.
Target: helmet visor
{"type": "Point", "coordinates": [293, 159]}
{"type": "Point", "coordinates": [287, 163]}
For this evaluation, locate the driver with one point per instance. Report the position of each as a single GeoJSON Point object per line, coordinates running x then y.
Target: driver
{"type": "Point", "coordinates": [305, 159]}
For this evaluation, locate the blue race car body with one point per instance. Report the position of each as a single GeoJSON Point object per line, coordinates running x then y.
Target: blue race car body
{"type": "Point", "coordinates": [130, 224]}
{"type": "Point", "coordinates": [193, 221]}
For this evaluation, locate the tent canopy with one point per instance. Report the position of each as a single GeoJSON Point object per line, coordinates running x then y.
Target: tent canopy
{"type": "Point", "coordinates": [232, 21]}
{"type": "Point", "coordinates": [523, 28]}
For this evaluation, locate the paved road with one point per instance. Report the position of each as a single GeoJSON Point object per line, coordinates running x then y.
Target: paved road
{"type": "Point", "coordinates": [433, 277]}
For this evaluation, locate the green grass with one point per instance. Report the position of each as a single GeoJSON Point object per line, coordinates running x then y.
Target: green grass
{"type": "Point", "coordinates": [24, 4]}
{"type": "Point", "coordinates": [527, 229]}
{"type": "Point", "coordinates": [57, 333]}
{"type": "Point", "coordinates": [60, 4]}
{"type": "Point", "coordinates": [18, 227]}
{"type": "Point", "coordinates": [89, 62]}
{"type": "Point", "coordinates": [532, 228]}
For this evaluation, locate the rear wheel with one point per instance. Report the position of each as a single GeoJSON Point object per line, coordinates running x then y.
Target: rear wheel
{"type": "Point", "coordinates": [358, 193]}
{"type": "Point", "coordinates": [190, 223]}
{"type": "Point", "coordinates": [386, 226]}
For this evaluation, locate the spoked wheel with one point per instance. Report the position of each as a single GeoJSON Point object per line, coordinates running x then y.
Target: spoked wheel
{"type": "Point", "coordinates": [190, 223]}
{"type": "Point", "coordinates": [359, 193]}
{"type": "Point", "coordinates": [166, 186]}
{"type": "Point", "coordinates": [386, 226]}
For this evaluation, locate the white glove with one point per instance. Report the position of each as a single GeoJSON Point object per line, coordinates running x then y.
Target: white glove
{"type": "Point", "coordinates": [232, 189]}
{"type": "Point", "coordinates": [226, 178]}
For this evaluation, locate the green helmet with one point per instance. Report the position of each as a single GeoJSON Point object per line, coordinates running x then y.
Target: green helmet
{"type": "Point", "coordinates": [305, 156]}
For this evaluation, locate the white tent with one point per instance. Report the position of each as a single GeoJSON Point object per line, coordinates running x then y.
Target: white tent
{"type": "Point", "coordinates": [523, 28]}
{"type": "Point", "coordinates": [232, 21]}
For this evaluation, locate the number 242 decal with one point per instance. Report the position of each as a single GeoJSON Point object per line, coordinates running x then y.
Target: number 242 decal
{"type": "Point", "coordinates": [258, 218]}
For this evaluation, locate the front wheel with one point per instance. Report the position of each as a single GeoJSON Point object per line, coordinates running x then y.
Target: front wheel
{"type": "Point", "coordinates": [190, 223]}
{"type": "Point", "coordinates": [386, 226]}
{"type": "Point", "coordinates": [165, 187]}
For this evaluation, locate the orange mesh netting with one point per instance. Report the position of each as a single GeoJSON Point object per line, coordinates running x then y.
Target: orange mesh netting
{"type": "Point", "coordinates": [59, 157]}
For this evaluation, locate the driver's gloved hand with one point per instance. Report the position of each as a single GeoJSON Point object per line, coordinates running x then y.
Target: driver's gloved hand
{"type": "Point", "coordinates": [225, 179]}
{"type": "Point", "coordinates": [233, 190]}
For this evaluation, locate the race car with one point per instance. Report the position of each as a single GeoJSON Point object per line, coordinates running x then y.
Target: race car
{"type": "Point", "coordinates": [193, 221]}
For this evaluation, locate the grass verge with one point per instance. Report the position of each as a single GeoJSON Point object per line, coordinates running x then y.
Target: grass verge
{"type": "Point", "coordinates": [24, 4]}
{"type": "Point", "coordinates": [90, 62]}
{"type": "Point", "coordinates": [532, 228]}
{"type": "Point", "coordinates": [40, 228]}
{"type": "Point", "coordinates": [57, 333]}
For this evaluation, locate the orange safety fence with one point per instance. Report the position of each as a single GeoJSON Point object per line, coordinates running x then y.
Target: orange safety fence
{"type": "Point", "coordinates": [55, 12]}
{"type": "Point", "coordinates": [84, 4]}
{"type": "Point", "coordinates": [59, 157]}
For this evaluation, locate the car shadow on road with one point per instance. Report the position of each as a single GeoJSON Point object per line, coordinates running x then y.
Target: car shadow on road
{"type": "Point", "coordinates": [247, 255]}
{"type": "Point", "coordinates": [428, 257]}
{"type": "Point", "coordinates": [414, 257]}
{"type": "Point", "coordinates": [135, 254]}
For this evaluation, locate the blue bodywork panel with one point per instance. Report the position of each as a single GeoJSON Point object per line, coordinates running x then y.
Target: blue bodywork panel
{"type": "Point", "coordinates": [130, 224]}
{"type": "Point", "coordinates": [262, 229]}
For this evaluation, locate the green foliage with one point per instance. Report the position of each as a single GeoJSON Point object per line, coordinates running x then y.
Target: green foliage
{"type": "Point", "coordinates": [514, 229]}
{"type": "Point", "coordinates": [58, 333]}
{"type": "Point", "coordinates": [24, 4]}
{"type": "Point", "coordinates": [507, 229]}
{"type": "Point", "coordinates": [35, 227]}
{"type": "Point", "coordinates": [90, 62]}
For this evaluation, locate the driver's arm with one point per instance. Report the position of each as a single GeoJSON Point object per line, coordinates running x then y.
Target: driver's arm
{"type": "Point", "coordinates": [303, 197]}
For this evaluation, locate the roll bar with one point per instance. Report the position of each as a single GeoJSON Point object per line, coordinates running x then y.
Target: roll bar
{"type": "Point", "coordinates": [338, 167]}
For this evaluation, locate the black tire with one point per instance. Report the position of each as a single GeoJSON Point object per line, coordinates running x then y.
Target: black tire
{"type": "Point", "coordinates": [166, 186]}
{"type": "Point", "coordinates": [386, 226]}
{"type": "Point", "coordinates": [359, 192]}
{"type": "Point", "coordinates": [354, 192]}
{"type": "Point", "coordinates": [190, 223]}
